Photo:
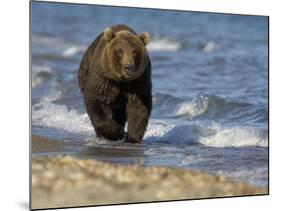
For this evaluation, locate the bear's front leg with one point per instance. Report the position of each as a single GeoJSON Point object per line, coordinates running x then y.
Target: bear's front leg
{"type": "Point", "coordinates": [138, 112]}
{"type": "Point", "coordinates": [105, 126]}
{"type": "Point", "coordinates": [109, 129]}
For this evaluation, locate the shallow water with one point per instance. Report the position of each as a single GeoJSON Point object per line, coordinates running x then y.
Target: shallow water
{"type": "Point", "coordinates": [210, 87]}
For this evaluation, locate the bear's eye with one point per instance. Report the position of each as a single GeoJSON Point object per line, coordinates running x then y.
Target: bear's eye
{"type": "Point", "coordinates": [134, 52]}
{"type": "Point", "coordinates": [120, 51]}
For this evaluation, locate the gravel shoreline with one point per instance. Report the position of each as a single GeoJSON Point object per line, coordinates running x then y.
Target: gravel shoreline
{"type": "Point", "coordinates": [67, 181]}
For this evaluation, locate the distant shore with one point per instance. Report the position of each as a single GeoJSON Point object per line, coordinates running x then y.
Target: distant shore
{"type": "Point", "coordinates": [67, 181]}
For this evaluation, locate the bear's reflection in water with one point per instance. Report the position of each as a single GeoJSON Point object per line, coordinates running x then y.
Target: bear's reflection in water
{"type": "Point", "coordinates": [125, 153]}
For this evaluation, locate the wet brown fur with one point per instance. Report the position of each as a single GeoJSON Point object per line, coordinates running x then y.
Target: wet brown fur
{"type": "Point", "coordinates": [111, 97]}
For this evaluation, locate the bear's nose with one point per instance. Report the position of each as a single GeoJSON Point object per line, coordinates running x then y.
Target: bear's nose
{"type": "Point", "coordinates": [129, 67]}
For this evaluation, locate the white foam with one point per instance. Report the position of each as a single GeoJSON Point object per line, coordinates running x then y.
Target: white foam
{"type": "Point", "coordinates": [191, 159]}
{"type": "Point", "coordinates": [193, 108]}
{"type": "Point", "coordinates": [41, 68]}
{"type": "Point", "coordinates": [69, 49]}
{"type": "Point", "coordinates": [51, 115]}
{"type": "Point", "coordinates": [54, 94]}
{"type": "Point", "coordinates": [73, 50]}
{"type": "Point", "coordinates": [233, 137]}
{"type": "Point", "coordinates": [40, 74]}
{"type": "Point", "coordinates": [164, 44]}
{"type": "Point", "coordinates": [157, 128]}
{"type": "Point", "coordinates": [47, 40]}
{"type": "Point", "coordinates": [211, 46]}
{"type": "Point", "coordinates": [210, 136]}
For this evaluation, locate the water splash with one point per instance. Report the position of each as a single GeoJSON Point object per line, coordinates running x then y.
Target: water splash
{"type": "Point", "coordinates": [164, 44]}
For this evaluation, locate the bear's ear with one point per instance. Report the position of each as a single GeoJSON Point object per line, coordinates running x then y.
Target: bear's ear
{"type": "Point", "coordinates": [145, 37]}
{"type": "Point", "coordinates": [108, 34]}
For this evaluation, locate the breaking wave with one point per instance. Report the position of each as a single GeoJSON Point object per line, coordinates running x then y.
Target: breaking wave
{"type": "Point", "coordinates": [210, 136]}
{"type": "Point", "coordinates": [47, 114]}
{"type": "Point", "coordinates": [158, 131]}
{"type": "Point", "coordinates": [211, 46]}
{"type": "Point", "coordinates": [73, 50]}
{"type": "Point", "coordinates": [161, 44]}
{"type": "Point", "coordinates": [193, 108]}
{"type": "Point", "coordinates": [47, 40]}
{"type": "Point", "coordinates": [234, 137]}
{"type": "Point", "coordinates": [40, 74]}
{"type": "Point", "coordinates": [208, 107]}
{"type": "Point", "coordinates": [164, 44]}
{"type": "Point", "coordinates": [70, 49]}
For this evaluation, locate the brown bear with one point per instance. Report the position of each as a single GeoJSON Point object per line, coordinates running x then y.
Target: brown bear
{"type": "Point", "coordinates": [115, 80]}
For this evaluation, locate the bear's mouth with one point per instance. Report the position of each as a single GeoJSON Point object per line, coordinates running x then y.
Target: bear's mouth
{"type": "Point", "coordinates": [129, 70]}
{"type": "Point", "coordinates": [130, 75]}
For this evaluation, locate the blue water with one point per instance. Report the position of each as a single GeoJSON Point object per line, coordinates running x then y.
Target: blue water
{"type": "Point", "coordinates": [210, 86]}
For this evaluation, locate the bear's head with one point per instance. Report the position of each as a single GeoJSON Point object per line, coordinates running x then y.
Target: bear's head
{"type": "Point", "coordinates": [124, 57]}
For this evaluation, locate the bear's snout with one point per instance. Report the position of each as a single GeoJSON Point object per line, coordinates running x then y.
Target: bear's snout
{"type": "Point", "coordinates": [129, 67]}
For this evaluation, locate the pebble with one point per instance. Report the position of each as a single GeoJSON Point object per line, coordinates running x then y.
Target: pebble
{"type": "Point", "coordinates": [65, 180]}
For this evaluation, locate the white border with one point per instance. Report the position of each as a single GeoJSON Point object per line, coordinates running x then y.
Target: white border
{"type": "Point", "coordinates": [15, 103]}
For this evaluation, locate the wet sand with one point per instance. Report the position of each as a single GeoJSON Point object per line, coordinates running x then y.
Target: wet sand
{"type": "Point", "coordinates": [67, 181]}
